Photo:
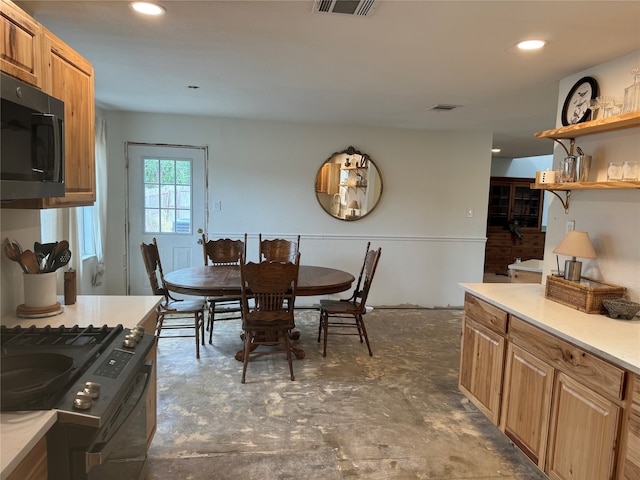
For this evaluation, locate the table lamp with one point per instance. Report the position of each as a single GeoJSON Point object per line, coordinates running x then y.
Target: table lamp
{"type": "Point", "coordinates": [353, 205]}
{"type": "Point", "coordinates": [575, 244]}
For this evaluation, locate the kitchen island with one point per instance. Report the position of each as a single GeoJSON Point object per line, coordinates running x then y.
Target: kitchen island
{"type": "Point", "coordinates": [542, 372]}
{"type": "Point", "coordinates": [21, 432]}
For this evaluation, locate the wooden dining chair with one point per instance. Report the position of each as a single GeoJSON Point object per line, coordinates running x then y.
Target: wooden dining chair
{"type": "Point", "coordinates": [278, 249]}
{"type": "Point", "coordinates": [268, 298]}
{"type": "Point", "coordinates": [339, 316]}
{"type": "Point", "coordinates": [172, 314]}
{"type": "Point", "coordinates": [221, 252]}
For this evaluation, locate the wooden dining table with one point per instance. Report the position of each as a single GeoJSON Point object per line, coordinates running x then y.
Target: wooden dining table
{"type": "Point", "coordinates": [214, 281]}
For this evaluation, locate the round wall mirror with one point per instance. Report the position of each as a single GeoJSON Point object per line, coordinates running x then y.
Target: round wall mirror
{"type": "Point", "coordinates": [348, 185]}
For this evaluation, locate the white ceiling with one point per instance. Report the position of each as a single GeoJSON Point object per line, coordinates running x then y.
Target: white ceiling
{"type": "Point", "coordinates": [276, 60]}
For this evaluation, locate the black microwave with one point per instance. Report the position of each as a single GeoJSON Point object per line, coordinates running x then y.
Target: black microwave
{"type": "Point", "coordinates": [32, 142]}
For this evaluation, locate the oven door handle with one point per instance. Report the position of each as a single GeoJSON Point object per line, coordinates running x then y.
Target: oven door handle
{"type": "Point", "coordinates": [102, 450]}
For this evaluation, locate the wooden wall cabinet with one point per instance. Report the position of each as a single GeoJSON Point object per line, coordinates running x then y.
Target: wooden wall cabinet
{"type": "Point", "coordinates": [482, 355]}
{"type": "Point", "coordinates": [21, 54]}
{"type": "Point", "coordinates": [69, 77]}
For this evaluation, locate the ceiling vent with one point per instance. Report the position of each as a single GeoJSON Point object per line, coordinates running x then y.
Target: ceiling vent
{"type": "Point", "coordinates": [350, 7]}
{"type": "Point", "coordinates": [443, 107]}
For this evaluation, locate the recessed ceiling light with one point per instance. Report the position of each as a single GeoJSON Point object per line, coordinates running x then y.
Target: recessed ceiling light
{"type": "Point", "coordinates": [148, 8]}
{"type": "Point", "coordinates": [495, 150]}
{"type": "Point", "coordinates": [531, 44]}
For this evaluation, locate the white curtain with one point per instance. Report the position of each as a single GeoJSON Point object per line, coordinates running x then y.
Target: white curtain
{"type": "Point", "coordinates": [100, 207]}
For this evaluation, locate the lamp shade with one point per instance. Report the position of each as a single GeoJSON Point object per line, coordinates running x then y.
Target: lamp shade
{"type": "Point", "coordinates": [353, 204]}
{"type": "Point", "coordinates": [576, 244]}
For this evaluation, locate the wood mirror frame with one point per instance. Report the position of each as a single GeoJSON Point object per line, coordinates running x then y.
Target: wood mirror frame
{"type": "Point", "coordinates": [348, 185]}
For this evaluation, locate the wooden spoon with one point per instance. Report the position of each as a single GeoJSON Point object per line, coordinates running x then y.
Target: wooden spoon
{"type": "Point", "coordinates": [14, 254]}
{"type": "Point", "coordinates": [30, 262]}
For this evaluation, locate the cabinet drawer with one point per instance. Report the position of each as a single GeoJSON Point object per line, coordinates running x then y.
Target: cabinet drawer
{"type": "Point", "coordinates": [485, 313]}
{"type": "Point", "coordinates": [590, 370]}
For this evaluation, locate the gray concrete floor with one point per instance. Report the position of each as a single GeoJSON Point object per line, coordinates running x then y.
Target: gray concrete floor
{"type": "Point", "coordinates": [396, 415]}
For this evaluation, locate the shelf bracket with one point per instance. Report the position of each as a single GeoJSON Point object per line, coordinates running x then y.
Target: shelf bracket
{"type": "Point", "coordinates": [565, 202]}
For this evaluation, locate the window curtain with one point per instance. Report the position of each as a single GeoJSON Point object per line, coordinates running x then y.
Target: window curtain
{"type": "Point", "coordinates": [100, 208]}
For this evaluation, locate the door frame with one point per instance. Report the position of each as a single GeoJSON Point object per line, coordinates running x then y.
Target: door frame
{"type": "Point", "coordinates": [205, 150]}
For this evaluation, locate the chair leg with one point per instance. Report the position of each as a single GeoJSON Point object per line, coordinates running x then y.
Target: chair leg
{"type": "Point", "coordinates": [212, 317]}
{"type": "Point", "coordinates": [245, 357]}
{"type": "Point", "coordinates": [326, 332]}
{"type": "Point", "coordinates": [320, 324]}
{"type": "Point", "coordinates": [196, 320]}
{"type": "Point", "coordinates": [288, 347]}
{"type": "Point", "coordinates": [360, 321]}
{"type": "Point", "coordinates": [159, 320]}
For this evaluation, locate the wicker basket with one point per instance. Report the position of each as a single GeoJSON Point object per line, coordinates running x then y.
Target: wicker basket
{"type": "Point", "coordinates": [586, 296]}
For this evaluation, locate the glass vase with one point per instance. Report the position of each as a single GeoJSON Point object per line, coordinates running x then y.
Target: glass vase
{"type": "Point", "coordinates": [632, 94]}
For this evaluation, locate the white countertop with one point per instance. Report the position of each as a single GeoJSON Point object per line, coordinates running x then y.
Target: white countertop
{"type": "Point", "coordinates": [615, 340]}
{"type": "Point", "coordinates": [20, 431]}
{"type": "Point", "coordinates": [531, 265]}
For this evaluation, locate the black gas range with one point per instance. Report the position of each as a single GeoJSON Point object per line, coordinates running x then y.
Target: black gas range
{"type": "Point", "coordinates": [96, 378]}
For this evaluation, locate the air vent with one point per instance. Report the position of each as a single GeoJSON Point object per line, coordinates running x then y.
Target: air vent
{"type": "Point", "coordinates": [443, 107]}
{"type": "Point", "coordinates": [350, 7]}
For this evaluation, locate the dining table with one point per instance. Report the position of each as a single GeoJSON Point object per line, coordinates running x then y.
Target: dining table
{"type": "Point", "coordinates": [221, 280]}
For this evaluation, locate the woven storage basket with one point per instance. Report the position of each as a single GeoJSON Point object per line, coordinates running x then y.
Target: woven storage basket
{"type": "Point", "coordinates": [585, 296]}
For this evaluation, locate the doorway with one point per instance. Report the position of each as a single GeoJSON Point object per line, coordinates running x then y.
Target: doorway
{"type": "Point", "coordinates": [167, 200]}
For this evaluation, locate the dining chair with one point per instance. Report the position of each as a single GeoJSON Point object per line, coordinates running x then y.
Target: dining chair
{"type": "Point", "coordinates": [268, 297]}
{"type": "Point", "coordinates": [172, 314]}
{"type": "Point", "coordinates": [340, 315]}
{"type": "Point", "coordinates": [278, 249]}
{"type": "Point", "coordinates": [222, 252]}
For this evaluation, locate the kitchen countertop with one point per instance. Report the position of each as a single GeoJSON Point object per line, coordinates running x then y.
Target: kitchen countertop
{"type": "Point", "coordinates": [531, 265]}
{"type": "Point", "coordinates": [20, 431]}
{"type": "Point", "coordinates": [615, 340]}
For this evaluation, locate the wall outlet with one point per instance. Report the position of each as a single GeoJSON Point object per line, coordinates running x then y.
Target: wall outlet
{"type": "Point", "coordinates": [571, 225]}
{"type": "Point", "coordinates": [217, 206]}
{"type": "Point", "coordinates": [469, 212]}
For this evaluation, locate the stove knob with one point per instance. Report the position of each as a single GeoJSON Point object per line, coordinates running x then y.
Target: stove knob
{"type": "Point", "coordinates": [92, 389]}
{"type": "Point", "coordinates": [82, 401]}
{"type": "Point", "coordinates": [130, 341]}
{"type": "Point", "coordinates": [137, 332]}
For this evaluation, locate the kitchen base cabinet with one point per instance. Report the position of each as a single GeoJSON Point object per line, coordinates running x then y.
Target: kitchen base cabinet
{"type": "Point", "coordinates": [630, 458]}
{"type": "Point", "coordinates": [583, 434]}
{"type": "Point", "coordinates": [526, 406]}
{"type": "Point", "coordinates": [34, 465]}
{"type": "Point", "coordinates": [149, 325]}
{"type": "Point", "coordinates": [482, 355]}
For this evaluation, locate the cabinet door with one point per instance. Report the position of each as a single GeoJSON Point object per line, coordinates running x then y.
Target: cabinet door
{"type": "Point", "coordinates": [526, 404]}
{"type": "Point", "coordinates": [583, 433]}
{"type": "Point", "coordinates": [481, 367]}
{"type": "Point", "coordinates": [630, 459]}
{"type": "Point", "coordinates": [21, 49]}
{"type": "Point", "coordinates": [70, 78]}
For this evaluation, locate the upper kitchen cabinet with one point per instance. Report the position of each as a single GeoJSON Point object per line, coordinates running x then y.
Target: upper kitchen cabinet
{"type": "Point", "coordinates": [21, 54]}
{"type": "Point", "coordinates": [69, 77]}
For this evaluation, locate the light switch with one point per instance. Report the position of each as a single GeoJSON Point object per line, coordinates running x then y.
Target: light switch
{"type": "Point", "coordinates": [469, 212]}
{"type": "Point", "coordinates": [217, 206]}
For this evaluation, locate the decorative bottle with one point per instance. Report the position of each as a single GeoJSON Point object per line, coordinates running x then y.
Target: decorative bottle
{"type": "Point", "coordinates": [632, 94]}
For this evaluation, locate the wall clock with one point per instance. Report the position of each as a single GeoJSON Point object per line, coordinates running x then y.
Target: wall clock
{"type": "Point", "coordinates": [576, 105]}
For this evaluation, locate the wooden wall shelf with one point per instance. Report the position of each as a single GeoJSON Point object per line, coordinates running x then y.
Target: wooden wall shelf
{"type": "Point", "coordinates": [585, 185]}
{"type": "Point", "coordinates": [618, 122]}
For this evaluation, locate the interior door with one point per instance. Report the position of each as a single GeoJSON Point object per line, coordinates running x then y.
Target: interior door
{"type": "Point", "coordinates": [167, 200]}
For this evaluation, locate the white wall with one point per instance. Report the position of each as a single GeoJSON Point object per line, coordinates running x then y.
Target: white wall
{"type": "Point", "coordinates": [264, 175]}
{"type": "Point", "coordinates": [612, 217]}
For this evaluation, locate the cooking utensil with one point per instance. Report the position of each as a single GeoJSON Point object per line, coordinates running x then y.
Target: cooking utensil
{"type": "Point", "coordinates": [59, 247]}
{"type": "Point", "coordinates": [42, 251]}
{"type": "Point", "coordinates": [31, 376]}
{"type": "Point", "coordinates": [14, 252]}
{"type": "Point", "coordinates": [30, 262]}
{"type": "Point", "coordinates": [60, 260]}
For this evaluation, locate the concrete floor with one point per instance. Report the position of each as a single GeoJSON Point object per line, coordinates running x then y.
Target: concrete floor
{"type": "Point", "coordinates": [396, 415]}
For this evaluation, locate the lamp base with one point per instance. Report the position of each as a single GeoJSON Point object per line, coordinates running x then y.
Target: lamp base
{"type": "Point", "coordinates": [572, 270]}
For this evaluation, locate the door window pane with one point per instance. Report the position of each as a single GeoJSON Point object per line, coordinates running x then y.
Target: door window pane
{"type": "Point", "coordinates": [167, 199]}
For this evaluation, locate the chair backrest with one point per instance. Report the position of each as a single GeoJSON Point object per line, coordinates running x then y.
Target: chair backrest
{"type": "Point", "coordinates": [272, 287]}
{"type": "Point", "coordinates": [368, 271]}
{"type": "Point", "coordinates": [278, 249]}
{"type": "Point", "coordinates": [152, 263]}
{"type": "Point", "coordinates": [224, 251]}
